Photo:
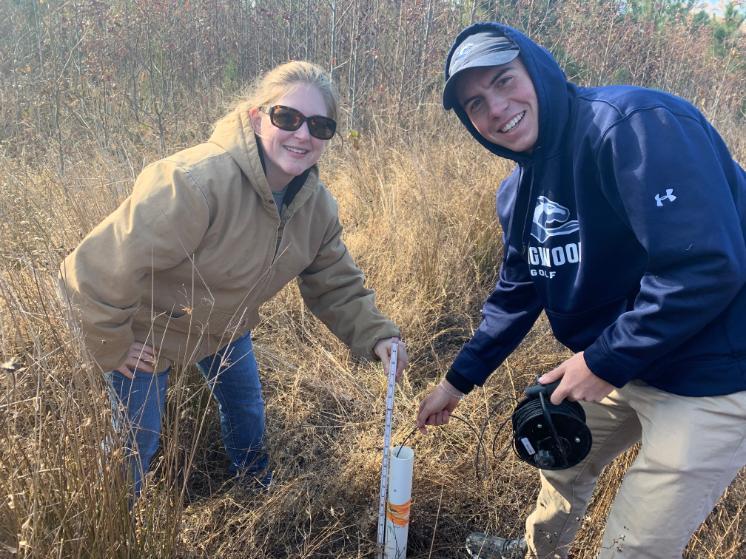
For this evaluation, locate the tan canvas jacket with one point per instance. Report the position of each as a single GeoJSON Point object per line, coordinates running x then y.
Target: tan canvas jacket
{"type": "Point", "coordinates": [185, 262]}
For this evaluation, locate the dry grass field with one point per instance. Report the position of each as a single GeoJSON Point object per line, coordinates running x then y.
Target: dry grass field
{"type": "Point", "coordinates": [417, 203]}
{"type": "Point", "coordinates": [418, 211]}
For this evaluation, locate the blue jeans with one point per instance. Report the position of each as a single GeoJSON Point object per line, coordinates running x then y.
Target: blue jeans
{"type": "Point", "coordinates": [233, 378]}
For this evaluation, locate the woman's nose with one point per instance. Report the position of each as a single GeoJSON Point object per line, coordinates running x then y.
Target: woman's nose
{"type": "Point", "coordinates": [302, 133]}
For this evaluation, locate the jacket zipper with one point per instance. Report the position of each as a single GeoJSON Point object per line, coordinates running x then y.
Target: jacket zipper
{"type": "Point", "coordinates": [280, 232]}
{"type": "Point", "coordinates": [278, 239]}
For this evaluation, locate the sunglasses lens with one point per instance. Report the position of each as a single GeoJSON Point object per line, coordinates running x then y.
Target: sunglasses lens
{"type": "Point", "coordinates": [321, 127]}
{"type": "Point", "coordinates": [286, 118]}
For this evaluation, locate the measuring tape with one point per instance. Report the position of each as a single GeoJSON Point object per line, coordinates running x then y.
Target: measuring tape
{"type": "Point", "coordinates": [386, 444]}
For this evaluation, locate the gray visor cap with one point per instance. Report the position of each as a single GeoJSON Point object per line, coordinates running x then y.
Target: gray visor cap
{"type": "Point", "coordinates": [479, 50]}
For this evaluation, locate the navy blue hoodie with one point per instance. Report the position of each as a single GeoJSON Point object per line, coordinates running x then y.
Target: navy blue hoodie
{"type": "Point", "coordinates": [626, 225]}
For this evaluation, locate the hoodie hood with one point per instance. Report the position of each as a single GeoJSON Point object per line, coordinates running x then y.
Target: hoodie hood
{"type": "Point", "coordinates": [552, 93]}
{"type": "Point", "coordinates": [235, 135]}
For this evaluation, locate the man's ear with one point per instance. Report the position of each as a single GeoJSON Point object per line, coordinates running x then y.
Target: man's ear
{"type": "Point", "coordinates": [255, 117]}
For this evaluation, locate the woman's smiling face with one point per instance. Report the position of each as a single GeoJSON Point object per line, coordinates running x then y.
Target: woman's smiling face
{"type": "Point", "coordinates": [289, 154]}
{"type": "Point", "coordinates": [501, 103]}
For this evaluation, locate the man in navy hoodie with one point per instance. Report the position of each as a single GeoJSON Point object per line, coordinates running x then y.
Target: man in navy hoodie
{"type": "Point", "coordinates": [624, 221]}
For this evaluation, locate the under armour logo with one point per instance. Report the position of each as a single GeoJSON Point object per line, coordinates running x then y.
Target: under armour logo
{"type": "Point", "coordinates": [463, 51]}
{"type": "Point", "coordinates": [669, 196]}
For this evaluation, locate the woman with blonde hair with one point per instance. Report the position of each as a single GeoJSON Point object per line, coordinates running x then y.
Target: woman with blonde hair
{"type": "Point", "coordinates": [178, 272]}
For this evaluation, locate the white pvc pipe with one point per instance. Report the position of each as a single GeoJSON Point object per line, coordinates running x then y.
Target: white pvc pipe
{"type": "Point", "coordinates": [399, 502]}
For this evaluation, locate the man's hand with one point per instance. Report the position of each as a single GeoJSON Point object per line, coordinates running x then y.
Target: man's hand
{"type": "Point", "coordinates": [140, 357]}
{"type": "Point", "coordinates": [578, 382]}
{"type": "Point", "coordinates": [436, 407]}
{"type": "Point", "coordinates": [383, 350]}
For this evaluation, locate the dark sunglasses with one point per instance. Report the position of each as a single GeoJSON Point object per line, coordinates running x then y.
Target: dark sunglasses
{"type": "Point", "coordinates": [287, 118]}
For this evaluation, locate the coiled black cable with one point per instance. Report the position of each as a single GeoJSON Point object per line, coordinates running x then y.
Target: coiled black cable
{"type": "Point", "coordinates": [549, 436]}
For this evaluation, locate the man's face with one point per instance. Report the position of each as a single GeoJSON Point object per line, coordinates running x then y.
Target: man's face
{"type": "Point", "coordinates": [500, 102]}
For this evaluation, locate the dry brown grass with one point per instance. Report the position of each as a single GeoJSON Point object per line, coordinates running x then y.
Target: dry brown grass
{"type": "Point", "coordinates": [418, 211]}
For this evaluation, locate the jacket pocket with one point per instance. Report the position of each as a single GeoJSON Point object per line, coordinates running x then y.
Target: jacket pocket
{"type": "Point", "coordinates": [579, 330]}
{"type": "Point", "coordinates": [197, 321]}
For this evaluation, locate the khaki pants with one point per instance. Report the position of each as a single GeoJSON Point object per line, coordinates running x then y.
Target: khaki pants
{"type": "Point", "coordinates": [691, 450]}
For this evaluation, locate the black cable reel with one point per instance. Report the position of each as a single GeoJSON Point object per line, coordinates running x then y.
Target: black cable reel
{"type": "Point", "coordinates": [548, 436]}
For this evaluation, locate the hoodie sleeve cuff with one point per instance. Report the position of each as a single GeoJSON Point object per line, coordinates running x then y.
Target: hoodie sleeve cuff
{"type": "Point", "coordinates": [601, 362]}
{"type": "Point", "coordinates": [459, 381]}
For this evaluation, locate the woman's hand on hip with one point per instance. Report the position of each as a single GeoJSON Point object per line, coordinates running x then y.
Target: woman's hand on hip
{"type": "Point", "coordinates": [383, 350]}
{"type": "Point", "coordinates": [141, 357]}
